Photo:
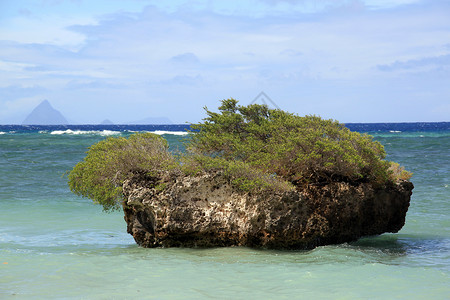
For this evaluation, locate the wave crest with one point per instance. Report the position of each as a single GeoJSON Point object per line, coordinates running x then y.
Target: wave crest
{"type": "Point", "coordinates": [161, 132]}
{"type": "Point", "coordinates": [78, 132]}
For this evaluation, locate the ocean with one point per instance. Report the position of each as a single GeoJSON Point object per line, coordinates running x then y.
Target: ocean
{"type": "Point", "coordinates": [55, 245]}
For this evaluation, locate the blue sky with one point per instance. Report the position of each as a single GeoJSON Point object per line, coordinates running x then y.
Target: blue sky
{"type": "Point", "coordinates": [349, 60]}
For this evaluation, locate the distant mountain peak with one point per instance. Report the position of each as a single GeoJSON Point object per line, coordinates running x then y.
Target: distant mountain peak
{"type": "Point", "coordinates": [45, 114]}
{"type": "Point", "coordinates": [107, 122]}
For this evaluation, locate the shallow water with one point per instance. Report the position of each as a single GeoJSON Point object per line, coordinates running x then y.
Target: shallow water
{"type": "Point", "coordinates": [54, 245]}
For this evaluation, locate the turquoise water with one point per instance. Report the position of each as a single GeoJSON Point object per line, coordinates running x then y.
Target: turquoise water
{"type": "Point", "coordinates": [54, 245]}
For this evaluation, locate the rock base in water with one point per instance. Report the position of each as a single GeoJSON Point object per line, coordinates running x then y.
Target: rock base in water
{"type": "Point", "coordinates": [206, 211]}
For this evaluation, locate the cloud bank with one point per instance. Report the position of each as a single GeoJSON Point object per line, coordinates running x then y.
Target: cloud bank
{"type": "Point", "coordinates": [355, 61]}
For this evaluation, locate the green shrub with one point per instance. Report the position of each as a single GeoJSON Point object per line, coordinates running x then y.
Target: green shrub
{"type": "Point", "coordinates": [240, 174]}
{"type": "Point", "coordinates": [297, 149]}
{"type": "Point", "coordinates": [397, 172]}
{"type": "Point", "coordinates": [108, 163]}
{"type": "Point", "coordinates": [257, 149]}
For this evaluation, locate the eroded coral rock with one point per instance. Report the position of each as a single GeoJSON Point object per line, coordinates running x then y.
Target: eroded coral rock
{"type": "Point", "coordinates": [206, 211]}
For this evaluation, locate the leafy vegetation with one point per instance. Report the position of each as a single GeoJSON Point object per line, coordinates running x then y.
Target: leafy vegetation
{"type": "Point", "coordinates": [240, 174]}
{"type": "Point", "coordinates": [110, 162]}
{"type": "Point", "coordinates": [297, 149]}
{"type": "Point", "coordinates": [397, 172]}
{"type": "Point", "coordinates": [256, 148]}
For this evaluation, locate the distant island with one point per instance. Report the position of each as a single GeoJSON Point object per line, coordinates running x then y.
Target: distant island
{"type": "Point", "coordinates": [45, 114]}
{"type": "Point", "coordinates": [107, 122]}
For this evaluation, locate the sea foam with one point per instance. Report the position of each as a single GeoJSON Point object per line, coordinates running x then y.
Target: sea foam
{"type": "Point", "coordinates": [78, 132]}
{"type": "Point", "coordinates": [161, 132]}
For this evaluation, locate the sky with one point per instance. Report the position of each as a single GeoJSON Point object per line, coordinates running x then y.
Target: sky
{"type": "Point", "coordinates": [348, 60]}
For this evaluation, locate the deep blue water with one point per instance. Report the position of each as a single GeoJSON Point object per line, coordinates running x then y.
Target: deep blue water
{"type": "Point", "coordinates": [121, 128]}
{"type": "Point", "coordinates": [400, 127]}
{"type": "Point", "coordinates": [360, 127]}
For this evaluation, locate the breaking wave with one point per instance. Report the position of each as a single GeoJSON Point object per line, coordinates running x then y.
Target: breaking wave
{"type": "Point", "coordinates": [78, 132]}
{"type": "Point", "coordinates": [161, 132]}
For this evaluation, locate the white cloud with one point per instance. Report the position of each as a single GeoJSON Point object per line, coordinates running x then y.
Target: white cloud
{"type": "Point", "coordinates": [49, 31]}
{"type": "Point", "coordinates": [159, 59]}
{"type": "Point", "coordinates": [11, 66]}
{"type": "Point", "coordinates": [437, 63]}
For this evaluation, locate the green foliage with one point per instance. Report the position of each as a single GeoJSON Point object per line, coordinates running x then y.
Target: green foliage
{"type": "Point", "coordinates": [257, 149]}
{"type": "Point", "coordinates": [397, 172]}
{"type": "Point", "coordinates": [240, 174]}
{"type": "Point", "coordinates": [108, 163]}
{"type": "Point", "coordinates": [297, 149]}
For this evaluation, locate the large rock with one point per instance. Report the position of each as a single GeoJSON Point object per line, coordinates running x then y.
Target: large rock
{"type": "Point", "coordinates": [206, 211]}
